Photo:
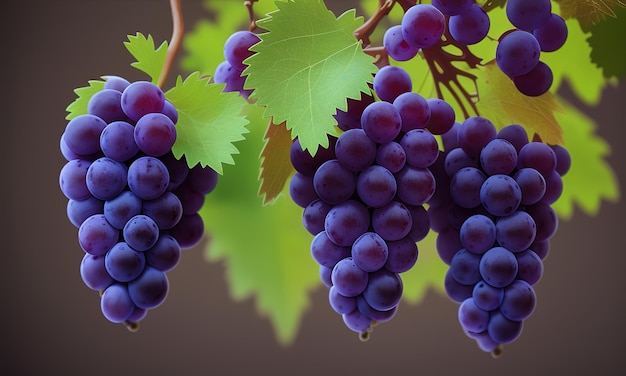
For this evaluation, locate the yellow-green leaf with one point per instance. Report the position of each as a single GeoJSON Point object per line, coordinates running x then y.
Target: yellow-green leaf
{"type": "Point", "coordinates": [275, 162]}
{"type": "Point", "coordinates": [503, 104]}
{"type": "Point", "coordinates": [150, 60]}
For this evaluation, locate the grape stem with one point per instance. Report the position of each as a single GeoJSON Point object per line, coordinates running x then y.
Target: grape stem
{"type": "Point", "coordinates": [178, 30]}
{"type": "Point", "coordinates": [250, 5]}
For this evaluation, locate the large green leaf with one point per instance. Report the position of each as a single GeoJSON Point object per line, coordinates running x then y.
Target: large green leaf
{"type": "Point", "coordinates": [209, 121]}
{"type": "Point", "coordinates": [264, 248]}
{"type": "Point", "coordinates": [150, 60]}
{"type": "Point", "coordinates": [305, 67]}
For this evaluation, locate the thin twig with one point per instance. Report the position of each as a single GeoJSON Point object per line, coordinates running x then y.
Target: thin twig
{"type": "Point", "coordinates": [178, 30]}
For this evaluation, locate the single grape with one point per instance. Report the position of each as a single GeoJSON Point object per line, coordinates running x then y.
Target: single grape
{"type": "Point", "coordinates": [96, 236]}
{"type": "Point", "coordinates": [498, 157]}
{"type": "Point", "coordinates": [453, 7]}
{"type": "Point", "coordinates": [516, 232]}
{"type": "Point", "coordinates": [140, 98]}
{"type": "Point", "coordinates": [383, 290]}
{"type": "Point", "coordinates": [78, 211]}
{"type": "Point", "coordinates": [327, 253]}
{"type": "Point", "coordinates": [376, 186]}
{"type": "Point", "coordinates": [421, 148]}
{"type": "Point", "coordinates": [155, 134]}
{"type": "Point", "coordinates": [141, 232]}
{"type": "Point", "coordinates": [370, 252]}
{"type": "Point", "coordinates": [123, 263]}
{"type": "Point", "coordinates": [528, 14]}
{"type": "Point", "coordinates": [519, 301]}
{"type": "Point", "coordinates": [517, 53]}
{"type": "Point", "coordinates": [165, 254]}
{"type": "Point", "coordinates": [486, 296]}
{"type": "Point", "coordinates": [340, 303]}
{"type": "Point", "coordinates": [237, 48]}
{"type": "Point", "coordinates": [106, 178]}
{"type": "Point", "coordinates": [465, 267]}
{"type": "Point", "coordinates": [117, 141]}
{"type": "Point", "coordinates": [475, 133]}
{"type": "Point", "coordinates": [498, 267]}
{"type": "Point", "coordinates": [345, 222]}
{"type": "Point", "coordinates": [148, 178]}
{"type": "Point", "coordinates": [415, 185]}
{"type": "Point", "coordinates": [442, 116]}
{"type": "Point", "coordinates": [93, 272]}
{"type": "Point", "coordinates": [536, 82]}
{"type": "Point", "coordinates": [150, 289]}
{"type": "Point", "coordinates": [471, 26]}
{"type": "Point", "coordinates": [122, 208]}
{"type": "Point", "coordinates": [165, 210]}
{"type": "Point", "coordinates": [552, 34]}
{"type": "Point", "coordinates": [333, 182]}
{"type": "Point", "coordinates": [73, 180]}
{"type": "Point", "coordinates": [349, 280]}
{"type": "Point", "coordinates": [116, 303]}
{"type": "Point", "coordinates": [390, 81]}
{"type": "Point", "coordinates": [392, 221]}
{"type": "Point", "coordinates": [401, 255]}
{"type": "Point", "coordinates": [398, 48]}
{"type": "Point", "coordinates": [472, 317]}
{"type": "Point", "coordinates": [423, 25]}
{"type": "Point", "coordinates": [414, 110]}
{"type": "Point", "coordinates": [82, 134]}
{"type": "Point", "coordinates": [355, 150]}
{"type": "Point", "coordinates": [500, 195]}
{"type": "Point", "coordinates": [478, 233]}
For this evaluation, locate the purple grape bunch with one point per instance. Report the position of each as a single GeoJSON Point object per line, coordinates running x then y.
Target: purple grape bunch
{"type": "Point", "coordinates": [230, 71]}
{"type": "Point", "coordinates": [134, 204]}
{"type": "Point", "coordinates": [537, 30]}
{"type": "Point", "coordinates": [363, 196]}
{"type": "Point", "coordinates": [492, 212]}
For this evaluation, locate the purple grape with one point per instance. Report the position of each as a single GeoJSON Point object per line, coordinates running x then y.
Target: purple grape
{"type": "Point", "coordinates": [356, 321]}
{"type": "Point", "coordinates": [528, 14]}
{"type": "Point", "coordinates": [498, 267]}
{"type": "Point", "coordinates": [516, 232]}
{"type": "Point", "coordinates": [140, 98]}
{"type": "Point", "coordinates": [391, 81]}
{"type": "Point", "coordinates": [546, 220]}
{"type": "Point", "coordinates": [115, 83]}
{"type": "Point", "coordinates": [442, 117]}
{"type": "Point", "coordinates": [141, 232]}
{"type": "Point", "coordinates": [536, 82]}
{"type": "Point", "coordinates": [502, 330]}
{"type": "Point", "coordinates": [123, 263]}
{"type": "Point", "coordinates": [237, 48]}
{"type": "Point", "coordinates": [420, 222]}
{"type": "Point", "coordinates": [370, 252]}
{"type": "Point", "coordinates": [466, 185]}
{"type": "Point", "coordinates": [306, 164]}
{"type": "Point", "coordinates": [348, 279]}
{"type": "Point", "coordinates": [106, 104]}
{"type": "Point", "coordinates": [334, 183]}
{"type": "Point", "coordinates": [106, 178]}
{"type": "Point", "coordinates": [82, 134]}
{"type": "Point", "coordinates": [351, 118]}
{"type": "Point", "coordinates": [327, 253]}
{"type": "Point", "coordinates": [165, 254]}
{"type": "Point", "coordinates": [539, 156]}
{"type": "Point", "coordinates": [392, 221]}
{"type": "Point", "coordinates": [165, 210]}
{"type": "Point", "coordinates": [401, 255]}
{"type": "Point", "coordinates": [453, 7]}
{"type": "Point", "coordinates": [122, 208]}
{"type": "Point", "coordinates": [155, 134]}
{"type": "Point", "coordinates": [517, 53]}
{"type": "Point", "coordinates": [346, 222]}
{"type": "Point", "coordinates": [456, 159]}
{"type": "Point", "coordinates": [190, 200]}
{"type": "Point", "coordinates": [374, 314]}
{"type": "Point", "coordinates": [340, 303]}
{"type": "Point", "coordinates": [148, 178]}
{"type": "Point", "coordinates": [355, 150]}
{"type": "Point", "coordinates": [421, 148]}
{"type": "Point", "coordinates": [376, 186]}
{"type": "Point", "coordinates": [515, 134]}
{"type": "Point", "coordinates": [471, 26]}
{"type": "Point", "coordinates": [202, 179]}
{"type": "Point", "coordinates": [500, 195]}
{"type": "Point", "coordinates": [170, 111]}
{"type": "Point", "coordinates": [73, 180]}
{"type": "Point", "coordinates": [93, 272]}
{"type": "Point", "coordinates": [487, 297]}
{"type": "Point", "coordinates": [456, 291]}
{"type": "Point", "coordinates": [78, 211]}
{"type": "Point", "coordinates": [301, 190]}
{"type": "Point", "coordinates": [552, 34]}
{"type": "Point", "coordinates": [554, 188]}
{"type": "Point", "coordinates": [532, 185]}
{"type": "Point", "coordinates": [117, 141]}
{"type": "Point", "coordinates": [396, 46]}
{"type": "Point", "coordinates": [391, 156]}
{"type": "Point", "coordinates": [471, 317]}
{"type": "Point", "coordinates": [414, 110]}
{"type": "Point", "coordinates": [530, 266]}
{"type": "Point", "coordinates": [498, 157]}
{"type": "Point", "coordinates": [448, 244]}
{"type": "Point", "coordinates": [96, 236]}
{"type": "Point", "coordinates": [415, 185]}
{"type": "Point", "coordinates": [314, 215]}
{"type": "Point", "coordinates": [474, 133]}
{"type": "Point", "coordinates": [150, 289]}
{"type": "Point", "coordinates": [383, 290]}
{"type": "Point", "coordinates": [478, 234]}
{"type": "Point", "coordinates": [465, 267]}
{"type": "Point", "coordinates": [423, 25]}
{"type": "Point", "coordinates": [563, 159]}
{"type": "Point", "coordinates": [381, 121]}
{"type": "Point", "coordinates": [225, 73]}
{"type": "Point", "coordinates": [188, 231]}
{"type": "Point", "coordinates": [116, 303]}
{"type": "Point", "coordinates": [519, 301]}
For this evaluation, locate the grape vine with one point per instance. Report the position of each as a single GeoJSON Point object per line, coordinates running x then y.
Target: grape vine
{"type": "Point", "coordinates": [374, 165]}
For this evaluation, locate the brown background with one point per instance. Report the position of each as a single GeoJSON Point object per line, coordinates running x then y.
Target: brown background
{"type": "Point", "coordinates": [51, 323]}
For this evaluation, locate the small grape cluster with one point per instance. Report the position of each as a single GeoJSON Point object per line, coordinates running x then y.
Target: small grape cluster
{"type": "Point", "coordinates": [363, 196]}
{"type": "Point", "coordinates": [518, 52]}
{"type": "Point", "coordinates": [236, 50]}
{"type": "Point", "coordinates": [492, 212]}
{"type": "Point", "coordinates": [135, 205]}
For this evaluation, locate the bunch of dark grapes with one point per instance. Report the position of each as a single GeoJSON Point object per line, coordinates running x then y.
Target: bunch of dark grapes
{"type": "Point", "coordinates": [537, 30]}
{"type": "Point", "coordinates": [236, 50]}
{"type": "Point", "coordinates": [492, 211]}
{"type": "Point", "coordinates": [363, 196]}
{"type": "Point", "coordinates": [135, 205]}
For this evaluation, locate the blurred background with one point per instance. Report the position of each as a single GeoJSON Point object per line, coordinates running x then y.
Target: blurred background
{"type": "Point", "coordinates": [52, 324]}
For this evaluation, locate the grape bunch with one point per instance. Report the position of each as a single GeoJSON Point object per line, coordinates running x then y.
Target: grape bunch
{"type": "Point", "coordinates": [492, 213]}
{"type": "Point", "coordinates": [229, 71]}
{"type": "Point", "coordinates": [363, 196]}
{"type": "Point", "coordinates": [518, 53]}
{"type": "Point", "coordinates": [135, 205]}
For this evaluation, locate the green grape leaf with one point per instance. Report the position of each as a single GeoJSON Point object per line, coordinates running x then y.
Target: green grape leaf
{"type": "Point", "coordinates": [149, 59]}
{"type": "Point", "coordinates": [589, 12]}
{"type": "Point", "coordinates": [265, 249]}
{"type": "Point", "coordinates": [503, 104]}
{"type": "Point", "coordinates": [305, 68]}
{"type": "Point", "coordinates": [604, 38]}
{"type": "Point", "coordinates": [428, 273]}
{"type": "Point", "coordinates": [275, 162]}
{"type": "Point", "coordinates": [590, 179]}
{"type": "Point", "coordinates": [209, 121]}
{"type": "Point", "coordinates": [79, 105]}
